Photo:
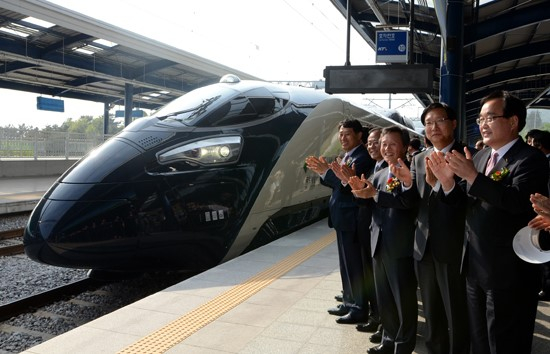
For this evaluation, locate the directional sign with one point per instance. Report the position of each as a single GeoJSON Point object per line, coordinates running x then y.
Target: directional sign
{"type": "Point", "coordinates": [136, 113]}
{"type": "Point", "coordinates": [50, 104]}
{"type": "Point", "coordinates": [392, 46]}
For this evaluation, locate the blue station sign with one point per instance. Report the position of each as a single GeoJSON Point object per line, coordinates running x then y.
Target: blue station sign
{"type": "Point", "coordinates": [50, 104]}
{"type": "Point", "coordinates": [392, 46]}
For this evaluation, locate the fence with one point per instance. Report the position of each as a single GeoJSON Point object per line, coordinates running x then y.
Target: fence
{"type": "Point", "coordinates": [36, 144]}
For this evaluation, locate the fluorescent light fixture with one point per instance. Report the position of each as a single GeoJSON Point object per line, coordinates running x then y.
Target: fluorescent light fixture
{"type": "Point", "coordinates": [83, 51]}
{"type": "Point", "coordinates": [15, 33]}
{"type": "Point", "coordinates": [18, 30]}
{"type": "Point", "coordinates": [88, 49]}
{"type": "Point", "coordinates": [105, 43]}
{"type": "Point", "coordinates": [38, 22]}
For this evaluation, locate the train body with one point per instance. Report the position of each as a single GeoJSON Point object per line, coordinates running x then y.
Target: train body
{"type": "Point", "coordinates": [216, 173]}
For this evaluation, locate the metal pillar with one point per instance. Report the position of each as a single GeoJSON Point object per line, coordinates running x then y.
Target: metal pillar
{"type": "Point", "coordinates": [410, 59]}
{"type": "Point", "coordinates": [128, 103]}
{"type": "Point", "coordinates": [105, 118]}
{"type": "Point", "coordinates": [452, 69]}
{"type": "Point", "coordinates": [348, 33]}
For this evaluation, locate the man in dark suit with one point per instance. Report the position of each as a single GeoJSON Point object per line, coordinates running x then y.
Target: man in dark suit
{"type": "Point", "coordinates": [343, 217]}
{"type": "Point", "coordinates": [392, 236]}
{"type": "Point", "coordinates": [439, 239]}
{"type": "Point", "coordinates": [372, 143]}
{"type": "Point", "coordinates": [501, 288]}
{"type": "Point", "coordinates": [365, 217]}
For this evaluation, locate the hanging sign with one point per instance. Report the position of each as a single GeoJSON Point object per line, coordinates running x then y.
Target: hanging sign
{"type": "Point", "coordinates": [392, 46]}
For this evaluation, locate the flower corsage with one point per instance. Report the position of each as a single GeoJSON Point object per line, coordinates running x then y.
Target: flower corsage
{"type": "Point", "coordinates": [348, 161]}
{"type": "Point", "coordinates": [392, 183]}
{"type": "Point", "coordinates": [500, 174]}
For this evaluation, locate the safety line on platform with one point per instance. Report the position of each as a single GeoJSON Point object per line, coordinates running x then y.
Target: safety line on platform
{"type": "Point", "coordinates": [178, 330]}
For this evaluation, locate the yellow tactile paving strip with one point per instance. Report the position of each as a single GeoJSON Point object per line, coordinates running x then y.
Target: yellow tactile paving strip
{"type": "Point", "coordinates": [176, 331]}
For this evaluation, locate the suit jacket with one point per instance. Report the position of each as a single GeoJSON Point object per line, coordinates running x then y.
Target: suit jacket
{"type": "Point", "coordinates": [342, 207]}
{"type": "Point", "coordinates": [365, 211]}
{"type": "Point", "coordinates": [496, 211]}
{"type": "Point", "coordinates": [441, 223]}
{"type": "Point", "coordinates": [392, 227]}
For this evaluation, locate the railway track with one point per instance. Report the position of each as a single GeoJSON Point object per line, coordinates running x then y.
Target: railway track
{"type": "Point", "coordinates": [11, 242]}
{"type": "Point", "coordinates": [29, 303]}
{"type": "Point", "coordinates": [32, 320]}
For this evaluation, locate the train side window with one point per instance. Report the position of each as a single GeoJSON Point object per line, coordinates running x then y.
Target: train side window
{"type": "Point", "coordinates": [242, 110]}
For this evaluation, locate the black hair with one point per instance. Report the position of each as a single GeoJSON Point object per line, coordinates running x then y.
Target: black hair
{"type": "Point", "coordinates": [351, 123]}
{"type": "Point", "coordinates": [513, 106]}
{"type": "Point", "coordinates": [533, 133]}
{"type": "Point", "coordinates": [542, 140]}
{"type": "Point", "coordinates": [415, 143]}
{"type": "Point", "coordinates": [365, 135]}
{"type": "Point", "coordinates": [436, 105]}
{"type": "Point", "coordinates": [395, 129]}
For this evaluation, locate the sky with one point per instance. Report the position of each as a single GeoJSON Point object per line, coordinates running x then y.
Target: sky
{"type": "Point", "coordinates": [275, 40]}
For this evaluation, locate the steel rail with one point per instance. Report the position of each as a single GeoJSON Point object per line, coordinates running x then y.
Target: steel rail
{"type": "Point", "coordinates": [32, 302]}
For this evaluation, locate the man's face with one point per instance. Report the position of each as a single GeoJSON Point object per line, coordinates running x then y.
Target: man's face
{"type": "Point", "coordinates": [373, 145]}
{"type": "Point", "coordinates": [501, 130]}
{"type": "Point", "coordinates": [439, 128]}
{"type": "Point", "coordinates": [348, 138]}
{"type": "Point", "coordinates": [392, 148]}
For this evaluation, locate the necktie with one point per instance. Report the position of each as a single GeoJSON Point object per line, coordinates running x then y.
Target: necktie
{"type": "Point", "coordinates": [377, 167]}
{"type": "Point", "coordinates": [345, 159]}
{"type": "Point", "coordinates": [492, 162]}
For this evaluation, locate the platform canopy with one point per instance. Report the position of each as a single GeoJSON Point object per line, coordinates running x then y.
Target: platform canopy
{"type": "Point", "coordinates": [51, 50]}
{"type": "Point", "coordinates": [506, 44]}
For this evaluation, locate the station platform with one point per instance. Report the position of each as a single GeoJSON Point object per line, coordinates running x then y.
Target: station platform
{"type": "Point", "coordinates": [21, 194]}
{"type": "Point", "coordinates": [271, 300]}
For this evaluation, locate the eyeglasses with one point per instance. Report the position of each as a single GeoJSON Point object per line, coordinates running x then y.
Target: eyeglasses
{"type": "Point", "coordinates": [437, 122]}
{"type": "Point", "coordinates": [488, 119]}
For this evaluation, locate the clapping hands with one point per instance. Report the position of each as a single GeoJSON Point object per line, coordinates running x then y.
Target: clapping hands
{"type": "Point", "coordinates": [541, 205]}
{"type": "Point", "coordinates": [361, 187]}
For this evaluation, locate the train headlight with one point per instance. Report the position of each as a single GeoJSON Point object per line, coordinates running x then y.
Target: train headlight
{"type": "Point", "coordinates": [211, 151]}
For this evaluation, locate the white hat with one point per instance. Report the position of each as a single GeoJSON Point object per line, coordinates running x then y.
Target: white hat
{"type": "Point", "coordinates": [526, 245]}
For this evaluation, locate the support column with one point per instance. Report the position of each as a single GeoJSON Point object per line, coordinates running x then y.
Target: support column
{"type": "Point", "coordinates": [105, 118]}
{"type": "Point", "coordinates": [128, 103]}
{"type": "Point", "coordinates": [451, 89]}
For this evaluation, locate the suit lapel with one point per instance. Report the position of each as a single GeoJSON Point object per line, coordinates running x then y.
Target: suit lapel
{"type": "Point", "coordinates": [510, 156]}
{"type": "Point", "coordinates": [382, 179]}
{"type": "Point", "coordinates": [355, 154]}
{"type": "Point", "coordinates": [484, 156]}
{"type": "Point", "coordinates": [423, 187]}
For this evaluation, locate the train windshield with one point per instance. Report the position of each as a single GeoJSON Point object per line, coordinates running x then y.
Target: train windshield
{"type": "Point", "coordinates": [222, 106]}
{"type": "Point", "coordinates": [195, 103]}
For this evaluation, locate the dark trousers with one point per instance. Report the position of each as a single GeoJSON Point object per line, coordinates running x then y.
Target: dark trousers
{"type": "Point", "coordinates": [502, 321]}
{"type": "Point", "coordinates": [443, 293]}
{"type": "Point", "coordinates": [351, 270]}
{"type": "Point", "coordinates": [347, 299]}
{"type": "Point", "coordinates": [395, 284]}
{"type": "Point", "coordinates": [368, 284]}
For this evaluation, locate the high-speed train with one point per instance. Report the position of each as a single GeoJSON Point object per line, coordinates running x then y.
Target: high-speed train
{"type": "Point", "coordinates": [215, 173]}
